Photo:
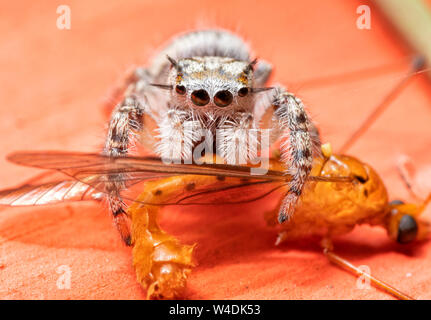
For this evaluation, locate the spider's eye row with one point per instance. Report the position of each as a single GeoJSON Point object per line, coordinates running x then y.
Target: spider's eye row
{"type": "Point", "coordinates": [200, 97]}
{"type": "Point", "coordinates": [243, 92]}
{"type": "Point", "coordinates": [180, 89]}
{"type": "Point", "coordinates": [223, 98]}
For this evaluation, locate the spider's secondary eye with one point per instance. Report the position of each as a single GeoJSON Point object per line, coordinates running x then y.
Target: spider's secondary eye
{"type": "Point", "coordinates": [407, 229]}
{"type": "Point", "coordinates": [243, 92]}
{"type": "Point", "coordinates": [200, 97]}
{"type": "Point", "coordinates": [223, 98]}
{"type": "Point", "coordinates": [180, 89]}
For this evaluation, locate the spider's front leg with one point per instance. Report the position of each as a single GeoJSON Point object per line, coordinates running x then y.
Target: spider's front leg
{"type": "Point", "coordinates": [126, 122]}
{"type": "Point", "coordinates": [126, 119]}
{"type": "Point", "coordinates": [287, 117]}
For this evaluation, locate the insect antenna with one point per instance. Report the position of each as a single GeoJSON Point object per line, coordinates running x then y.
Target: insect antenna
{"type": "Point", "coordinates": [417, 67]}
{"type": "Point", "coordinates": [351, 76]}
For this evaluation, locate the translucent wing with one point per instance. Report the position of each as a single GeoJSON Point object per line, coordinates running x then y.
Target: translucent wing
{"type": "Point", "coordinates": [91, 172]}
{"type": "Point", "coordinates": [79, 165]}
{"type": "Point", "coordinates": [48, 193]}
{"type": "Point", "coordinates": [233, 191]}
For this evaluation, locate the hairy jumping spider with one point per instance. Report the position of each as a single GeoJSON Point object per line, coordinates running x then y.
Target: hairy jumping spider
{"type": "Point", "coordinates": [208, 79]}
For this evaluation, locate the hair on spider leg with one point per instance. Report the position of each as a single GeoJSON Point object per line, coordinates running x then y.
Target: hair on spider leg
{"type": "Point", "coordinates": [251, 65]}
{"type": "Point", "coordinates": [162, 86]}
{"type": "Point", "coordinates": [258, 90]}
{"type": "Point", "coordinates": [173, 62]}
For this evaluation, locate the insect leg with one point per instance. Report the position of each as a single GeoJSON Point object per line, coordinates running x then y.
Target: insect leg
{"type": "Point", "coordinates": [343, 263]}
{"type": "Point", "coordinates": [295, 129]}
{"type": "Point", "coordinates": [417, 64]}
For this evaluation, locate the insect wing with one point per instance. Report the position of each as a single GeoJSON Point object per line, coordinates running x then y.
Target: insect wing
{"type": "Point", "coordinates": [234, 191]}
{"type": "Point", "coordinates": [96, 171]}
{"type": "Point", "coordinates": [48, 193]}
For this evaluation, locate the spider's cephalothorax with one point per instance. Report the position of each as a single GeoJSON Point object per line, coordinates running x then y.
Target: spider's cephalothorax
{"type": "Point", "coordinates": [213, 85]}
{"type": "Point", "coordinates": [206, 80]}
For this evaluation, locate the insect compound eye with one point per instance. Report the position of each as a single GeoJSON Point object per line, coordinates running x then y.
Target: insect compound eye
{"type": "Point", "coordinates": [223, 98]}
{"type": "Point", "coordinates": [243, 92]}
{"type": "Point", "coordinates": [180, 89]}
{"type": "Point", "coordinates": [407, 229]}
{"type": "Point", "coordinates": [200, 97]}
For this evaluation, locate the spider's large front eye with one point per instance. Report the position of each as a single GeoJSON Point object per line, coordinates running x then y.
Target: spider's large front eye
{"type": "Point", "coordinates": [200, 97]}
{"type": "Point", "coordinates": [180, 89]}
{"type": "Point", "coordinates": [407, 229]}
{"type": "Point", "coordinates": [223, 98]}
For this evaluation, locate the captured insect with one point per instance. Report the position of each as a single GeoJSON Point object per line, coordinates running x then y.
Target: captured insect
{"type": "Point", "coordinates": [340, 193]}
{"type": "Point", "coordinates": [206, 81]}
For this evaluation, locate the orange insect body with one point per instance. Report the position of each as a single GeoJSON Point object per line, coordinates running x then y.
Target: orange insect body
{"type": "Point", "coordinates": [329, 209]}
{"type": "Point", "coordinates": [326, 209]}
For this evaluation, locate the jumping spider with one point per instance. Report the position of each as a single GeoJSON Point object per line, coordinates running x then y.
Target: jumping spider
{"type": "Point", "coordinates": [208, 78]}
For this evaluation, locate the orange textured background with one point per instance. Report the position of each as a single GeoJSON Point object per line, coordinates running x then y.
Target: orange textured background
{"type": "Point", "coordinates": [52, 85]}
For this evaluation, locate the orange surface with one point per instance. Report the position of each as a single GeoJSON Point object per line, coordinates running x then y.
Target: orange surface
{"type": "Point", "coordinates": [52, 84]}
